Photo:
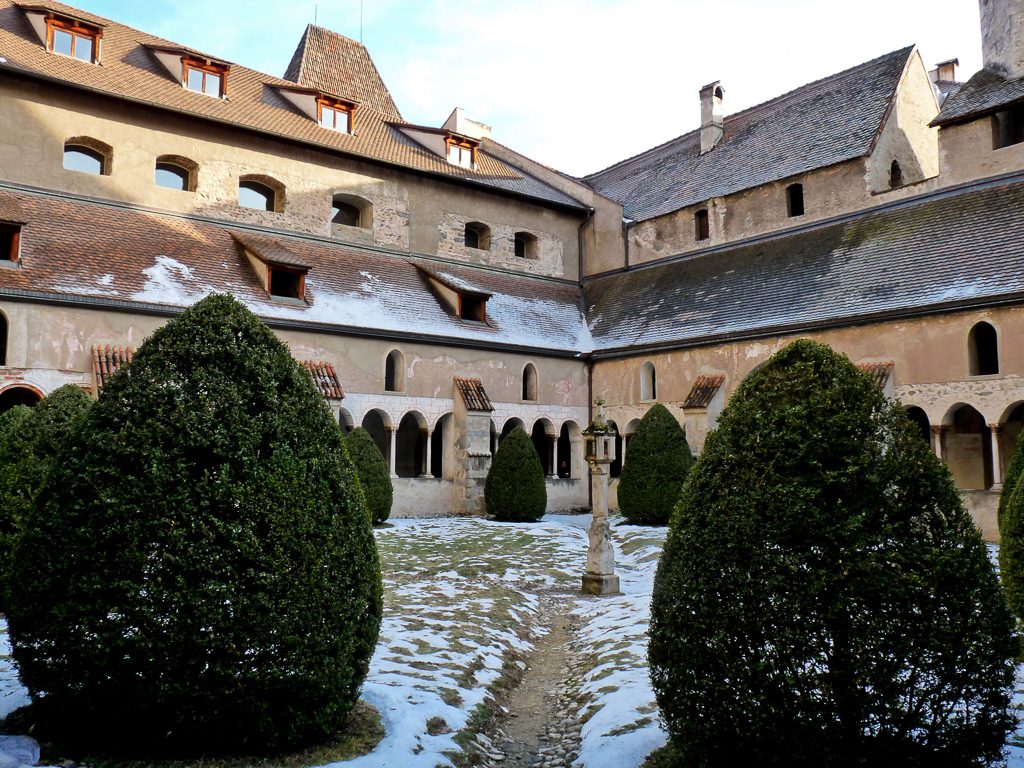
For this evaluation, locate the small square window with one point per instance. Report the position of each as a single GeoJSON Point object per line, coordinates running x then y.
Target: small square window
{"type": "Point", "coordinates": [287, 284]}
{"type": "Point", "coordinates": [204, 79]}
{"type": "Point", "coordinates": [335, 116]}
{"type": "Point", "coordinates": [460, 154]}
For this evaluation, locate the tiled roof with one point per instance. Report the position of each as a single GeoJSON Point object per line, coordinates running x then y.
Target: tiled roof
{"type": "Point", "coordinates": [131, 70]}
{"type": "Point", "coordinates": [930, 254]}
{"type": "Point", "coordinates": [106, 360]}
{"type": "Point", "coordinates": [269, 249]}
{"type": "Point", "coordinates": [336, 64]}
{"type": "Point", "coordinates": [985, 92]}
{"type": "Point", "coordinates": [325, 378]}
{"type": "Point", "coordinates": [119, 254]}
{"type": "Point", "coordinates": [821, 124]}
{"type": "Point", "coordinates": [877, 372]}
{"type": "Point", "coordinates": [473, 394]}
{"type": "Point", "coordinates": [703, 391]}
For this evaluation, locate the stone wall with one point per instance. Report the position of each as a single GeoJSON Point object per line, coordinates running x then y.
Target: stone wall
{"type": "Point", "coordinates": [451, 235]}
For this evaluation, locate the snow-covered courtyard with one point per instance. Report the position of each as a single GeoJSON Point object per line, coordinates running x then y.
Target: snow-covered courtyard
{"type": "Point", "coordinates": [466, 602]}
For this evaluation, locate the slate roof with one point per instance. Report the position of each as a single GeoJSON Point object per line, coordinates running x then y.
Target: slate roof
{"type": "Point", "coordinates": [985, 92]}
{"type": "Point", "coordinates": [826, 122]}
{"type": "Point", "coordinates": [325, 378]}
{"type": "Point", "coordinates": [703, 391]}
{"type": "Point", "coordinates": [154, 260]}
{"type": "Point", "coordinates": [131, 70]}
{"type": "Point", "coordinates": [107, 359]}
{"type": "Point", "coordinates": [932, 254]}
{"type": "Point", "coordinates": [473, 394]}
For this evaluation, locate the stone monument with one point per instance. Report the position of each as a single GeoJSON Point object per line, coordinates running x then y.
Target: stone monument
{"type": "Point", "coordinates": [600, 578]}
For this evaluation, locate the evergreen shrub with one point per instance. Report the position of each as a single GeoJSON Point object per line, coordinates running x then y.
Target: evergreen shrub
{"type": "Point", "coordinates": [515, 488]}
{"type": "Point", "coordinates": [373, 473]}
{"type": "Point", "coordinates": [823, 597]}
{"type": "Point", "coordinates": [1011, 534]}
{"type": "Point", "coordinates": [655, 466]}
{"type": "Point", "coordinates": [29, 440]}
{"type": "Point", "coordinates": [199, 572]}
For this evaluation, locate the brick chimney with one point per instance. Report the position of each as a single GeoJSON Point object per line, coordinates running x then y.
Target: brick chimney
{"type": "Point", "coordinates": [1002, 37]}
{"type": "Point", "coordinates": [711, 130]}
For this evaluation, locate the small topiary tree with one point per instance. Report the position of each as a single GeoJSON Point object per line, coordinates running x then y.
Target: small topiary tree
{"type": "Point", "coordinates": [29, 440]}
{"type": "Point", "coordinates": [373, 473]}
{"type": "Point", "coordinates": [655, 466]}
{"type": "Point", "coordinates": [199, 571]}
{"type": "Point", "coordinates": [823, 598]}
{"type": "Point", "coordinates": [515, 488]}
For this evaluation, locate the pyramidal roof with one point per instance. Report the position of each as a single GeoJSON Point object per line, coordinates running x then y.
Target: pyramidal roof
{"type": "Point", "coordinates": [336, 64]}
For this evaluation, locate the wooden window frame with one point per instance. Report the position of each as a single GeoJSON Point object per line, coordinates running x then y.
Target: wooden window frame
{"type": "Point", "coordinates": [76, 30]}
{"type": "Point", "coordinates": [477, 300]}
{"type": "Point", "coordinates": [207, 68]}
{"type": "Point", "coordinates": [13, 254]}
{"type": "Point", "coordinates": [454, 141]}
{"type": "Point", "coordinates": [272, 268]}
{"type": "Point", "coordinates": [339, 107]}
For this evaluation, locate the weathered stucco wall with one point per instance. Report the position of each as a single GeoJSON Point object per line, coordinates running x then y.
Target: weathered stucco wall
{"type": "Point", "coordinates": [966, 152]}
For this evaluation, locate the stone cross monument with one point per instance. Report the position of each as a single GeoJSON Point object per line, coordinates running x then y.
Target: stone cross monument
{"type": "Point", "coordinates": [600, 578]}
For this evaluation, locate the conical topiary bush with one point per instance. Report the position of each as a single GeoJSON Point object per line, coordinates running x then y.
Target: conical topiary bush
{"type": "Point", "coordinates": [199, 572]}
{"type": "Point", "coordinates": [823, 597]}
{"type": "Point", "coordinates": [515, 488]}
{"type": "Point", "coordinates": [655, 466]}
{"type": "Point", "coordinates": [373, 473]}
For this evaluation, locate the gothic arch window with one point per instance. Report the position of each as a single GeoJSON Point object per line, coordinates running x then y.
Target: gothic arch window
{"type": "Point", "coordinates": [648, 382]}
{"type": "Point", "coordinates": [895, 175]}
{"type": "Point", "coordinates": [394, 372]}
{"type": "Point", "coordinates": [529, 382]}
{"type": "Point", "coordinates": [983, 350]}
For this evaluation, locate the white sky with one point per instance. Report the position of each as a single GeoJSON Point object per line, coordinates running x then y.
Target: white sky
{"type": "Point", "coordinates": [576, 84]}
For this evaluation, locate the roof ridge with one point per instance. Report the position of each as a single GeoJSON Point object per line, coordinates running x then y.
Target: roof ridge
{"type": "Point", "coordinates": [774, 101]}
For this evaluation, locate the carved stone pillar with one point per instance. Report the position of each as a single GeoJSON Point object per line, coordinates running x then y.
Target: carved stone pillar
{"type": "Point", "coordinates": [426, 454]}
{"type": "Point", "coordinates": [997, 461]}
{"type": "Point", "coordinates": [393, 448]}
{"type": "Point", "coordinates": [937, 442]}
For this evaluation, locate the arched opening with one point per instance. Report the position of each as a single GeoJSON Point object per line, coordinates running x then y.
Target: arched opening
{"type": "Point", "coordinates": [795, 200]}
{"type": "Point", "coordinates": [615, 468]}
{"type": "Point", "coordinates": [627, 435]}
{"type": "Point", "coordinates": [478, 236]}
{"type": "Point", "coordinates": [87, 155]}
{"type": "Point", "coordinates": [543, 440]}
{"type": "Point", "coordinates": [411, 446]}
{"type": "Point", "coordinates": [13, 396]}
{"type": "Point", "coordinates": [1010, 429]}
{"type": "Point", "coordinates": [441, 447]}
{"type": "Point", "coordinates": [529, 382]}
{"type": "Point", "coordinates": [351, 211]}
{"type": "Point", "coordinates": [895, 175]}
{"type": "Point", "coordinates": [345, 423]}
{"type": "Point", "coordinates": [260, 193]}
{"type": "Point", "coordinates": [920, 419]}
{"type": "Point", "coordinates": [525, 245]}
{"type": "Point", "coordinates": [968, 449]}
{"type": "Point", "coordinates": [174, 172]}
{"type": "Point", "coordinates": [494, 438]}
{"type": "Point", "coordinates": [510, 425]}
{"type": "Point", "coordinates": [983, 350]}
{"type": "Point", "coordinates": [569, 450]}
{"type": "Point", "coordinates": [394, 372]}
{"type": "Point", "coordinates": [375, 422]}
{"type": "Point", "coordinates": [648, 382]}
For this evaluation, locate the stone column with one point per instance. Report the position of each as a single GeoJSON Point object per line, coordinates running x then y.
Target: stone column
{"type": "Point", "coordinates": [600, 578]}
{"type": "Point", "coordinates": [393, 445]}
{"type": "Point", "coordinates": [553, 457]}
{"type": "Point", "coordinates": [997, 461]}
{"type": "Point", "coordinates": [937, 441]}
{"type": "Point", "coordinates": [426, 454]}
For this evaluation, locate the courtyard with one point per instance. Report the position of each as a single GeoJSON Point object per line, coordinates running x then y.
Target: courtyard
{"type": "Point", "coordinates": [490, 656]}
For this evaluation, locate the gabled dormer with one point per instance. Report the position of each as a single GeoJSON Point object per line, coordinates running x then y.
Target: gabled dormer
{"type": "Point", "coordinates": [455, 148]}
{"type": "Point", "coordinates": [329, 111]}
{"type": "Point", "coordinates": [65, 34]}
{"type": "Point", "coordinates": [460, 297]}
{"type": "Point", "coordinates": [281, 273]}
{"type": "Point", "coordinates": [195, 71]}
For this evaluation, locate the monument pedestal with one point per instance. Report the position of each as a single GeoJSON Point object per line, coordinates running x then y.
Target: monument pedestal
{"type": "Point", "coordinates": [600, 578]}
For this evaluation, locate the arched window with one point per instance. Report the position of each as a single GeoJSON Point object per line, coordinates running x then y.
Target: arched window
{"type": "Point", "coordinates": [22, 395]}
{"type": "Point", "coordinates": [544, 440]}
{"type": "Point", "coordinates": [968, 449]}
{"type": "Point", "coordinates": [344, 421]}
{"type": "Point", "coordinates": [260, 193]}
{"type": "Point", "coordinates": [173, 172]}
{"type": "Point", "coordinates": [648, 382]}
{"type": "Point", "coordinates": [87, 155]}
{"type": "Point", "coordinates": [920, 419]}
{"type": "Point", "coordinates": [394, 372]}
{"type": "Point", "coordinates": [702, 225]}
{"type": "Point", "coordinates": [795, 200]}
{"type": "Point", "coordinates": [529, 382]}
{"type": "Point", "coordinates": [375, 423]}
{"type": "Point", "coordinates": [478, 236]}
{"type": "Point", "coordinates": [895, 175]}
{"type": "Point", "coordinates": [411, 446]}
{"type": "Point", "coordinates": [525, 245]}
{"type": "Point", "coordinates": [983, 350]}
{"type": "Point", "coordinates": [351, 211]}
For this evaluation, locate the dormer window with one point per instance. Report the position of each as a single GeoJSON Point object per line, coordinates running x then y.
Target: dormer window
{"type": "Point", "coordinates": [335, 115]}
{"type": "Point", "coordinates": [461, 151]}
{"type": "Point", "coordinates": [461, 298]}
{"type": "Point", "coordinates": [284, 283]}
{"type": "Point", "coordinates": [10, 243]}
{"type": "Point", "coordinates": [203, 77]}
{"type": "Point", "coordinates": [280, 271]}
{"type": "Point", "coordinates": [473, 306]}
{"type": "Point", "coordinates": [75, 39]}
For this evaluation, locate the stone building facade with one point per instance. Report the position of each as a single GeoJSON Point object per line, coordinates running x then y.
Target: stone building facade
{"type": "Point", "coordinates": [449, 289]}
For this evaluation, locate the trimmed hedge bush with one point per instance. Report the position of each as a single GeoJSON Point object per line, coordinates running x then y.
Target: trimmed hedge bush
{"type": "Point", "coordinates": [823, 598]}
{"type": "Point", "coordinates": [29, 441]}
{"type": "Point", "coordinates": [654, 468]}
{"type": "Point", "coordinates": [1011, 534]}
{"type": "Point", "coordinates": [373, 473]}
{"type": "Point", "coordinates": [515, 488]}
{"type": "Point", "coordinates": [199, 573]}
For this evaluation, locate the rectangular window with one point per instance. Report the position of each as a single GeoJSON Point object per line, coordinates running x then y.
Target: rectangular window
{"type": "Point", "coordinates": [10, 240]}
{"type": "Point", "coordinates": [472, 308]}
{"type": "Point", "coordinates": [69, 38]}
{"type": "Point", "coordinates": [460, 155]}
{"type": "Point", "coordinates": [702, 225]}
{"type": "Point", "coordinates": [204, 79]}
{"type": "Point", "coordinates": [286, 284]}
{"type": "Point", "coordinates": [335, 116]}
{"type": "Point", "coordinates": [1008, 127]}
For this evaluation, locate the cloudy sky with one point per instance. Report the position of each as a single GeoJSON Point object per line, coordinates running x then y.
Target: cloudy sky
{"type": "Point", "coordinates": [576, 84]}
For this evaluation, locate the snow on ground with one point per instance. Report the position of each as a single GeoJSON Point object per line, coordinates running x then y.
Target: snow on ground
{"type": "Point", "coordinates": [12, 695]}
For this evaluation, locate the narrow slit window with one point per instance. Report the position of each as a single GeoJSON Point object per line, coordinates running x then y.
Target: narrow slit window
{"type": "Point", "coordinates": [702, 225]}
{"type": "Point", "coordinates": [795, 200]}
{"type": "Point", "coordinates": [895, 175]}
{"type": "Point", "coordinates": [394, 372]}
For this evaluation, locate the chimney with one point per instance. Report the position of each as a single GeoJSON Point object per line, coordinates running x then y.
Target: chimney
{"type": "Point", "coordinates": [711, 130]}
{"type": "Point", "coordinates": [944, 72]}
{"type": "Point", "coordinates": [457, 122]}
{"type": "Point", "coordinates": [1002, 37]}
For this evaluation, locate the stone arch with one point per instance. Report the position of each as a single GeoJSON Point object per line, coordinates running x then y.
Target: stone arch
{"type": "Point", "coordinates": [178, 167]}
{"type": "Point", "coordinates": [648, 382]}
{"type": "Point", "coordinates": [627, 435]}
{"type": "Point", "coordinates": [983, 350]}
{"type": "Point", "coordinates": [350, 210]}
{"type": "Point", "coordinates": [615, 468]}
{"type": "Point", "coordinates": [477, 235]}
{"type": "Point", "coordinates": [19, 394]}
{"type": "Point", "coordinates": [1011, 426]}
{"type": "Point", "coordinates": [967, 447]}
{"type": "Point", "coordinates": [88, 155]}
{"type": "Point", "coordinates": [345, 422]}
{"type": "Point", "coordinates": [378, 424]}
{"type": "Point", "coordinates": [411, 445]}
{"type": "Point", "coordinates": [511, 424]}
{"type": "Point", "coordinates": [442, 445]}
{"type": "Point", "coordinates": [544, 437]}
{"type": "Point", "coordinates": [569, 450]}
{"type": "Point", "coordinates": [920, 419]}
{"type": "Point", "coordinates": [394, 371]}
{"type": "Point", "coordinates": [529, 382]}
{"type": "Point", "coordinates": [261, 192]}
